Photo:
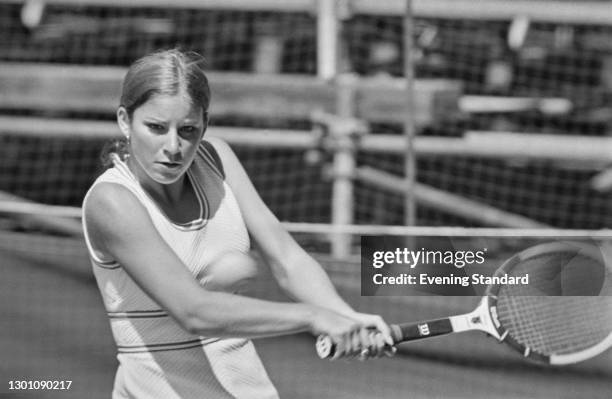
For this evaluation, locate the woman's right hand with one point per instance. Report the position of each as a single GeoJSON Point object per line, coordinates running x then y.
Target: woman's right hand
{"type": "Point", "coordinates": [349, 336]}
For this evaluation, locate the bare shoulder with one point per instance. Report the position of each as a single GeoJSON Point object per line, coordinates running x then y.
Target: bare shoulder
{"type": "Point", "coordinates": [108, 207]}
{"type": "Point", "coordinates": [108, 199]}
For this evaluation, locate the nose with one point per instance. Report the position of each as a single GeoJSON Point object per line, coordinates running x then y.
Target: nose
{"type": "Point", "coordinates": [173, 146]}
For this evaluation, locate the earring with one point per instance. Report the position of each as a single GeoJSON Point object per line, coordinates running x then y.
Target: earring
{"type": "Point", "coordinates": [127, 146]}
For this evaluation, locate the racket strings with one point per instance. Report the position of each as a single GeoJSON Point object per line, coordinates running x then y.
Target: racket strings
{"type": "Point", "coordinates": [556, 325]}
{"type": "Point", "coordinates": [564, 308]}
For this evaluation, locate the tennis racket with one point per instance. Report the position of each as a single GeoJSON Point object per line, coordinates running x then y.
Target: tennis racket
{"type": "Point", "coordinates": [563, 316]}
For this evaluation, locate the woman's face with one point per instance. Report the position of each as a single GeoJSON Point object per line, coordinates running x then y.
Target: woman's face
{"type": "Point", "coordinates": [164, 136]}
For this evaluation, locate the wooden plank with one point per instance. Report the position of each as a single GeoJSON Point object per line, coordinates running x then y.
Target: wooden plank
{"type": "Point", "coordinates": [59, 88]}
{"type": "Point", "coordinates": [239, 5]}
{"type": "Point", "coordinates": [25, 126]}
{"type": "Point", "coordinates": [28, 126]}
{"type": "Point", "coordinates": [383, 100]}
{"type": "Point", "coordinates": [269, 96]}
{"type": "Point", "coordinates": [591, 151]}
{"type": "Point", "coordinates": [585, 149]}
{"type": "Point", "coordinates": [586, 12]}
{"type": "Point", "coordinates": [572, 150]}
{"type": "Point", "coordinates": [501, 104]}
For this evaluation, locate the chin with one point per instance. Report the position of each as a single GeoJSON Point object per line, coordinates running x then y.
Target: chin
{"type": "Point", "coordinates": [166, 178]}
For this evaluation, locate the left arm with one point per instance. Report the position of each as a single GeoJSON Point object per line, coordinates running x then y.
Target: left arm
{"type": "Point", "coordinates": [298, 274]}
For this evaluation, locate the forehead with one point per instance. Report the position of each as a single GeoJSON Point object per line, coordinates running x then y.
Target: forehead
{"type": "Point", "coordinates": [169, 107]}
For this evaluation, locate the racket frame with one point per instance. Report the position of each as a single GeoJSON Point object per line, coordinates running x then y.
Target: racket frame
{"type": "Point", "coordinates": [505, 336]}
{"type": "Point", "coordinates": [484, 317]}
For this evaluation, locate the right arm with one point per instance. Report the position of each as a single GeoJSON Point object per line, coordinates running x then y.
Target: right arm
{"type": "Point", "coordinates": [158, 271]}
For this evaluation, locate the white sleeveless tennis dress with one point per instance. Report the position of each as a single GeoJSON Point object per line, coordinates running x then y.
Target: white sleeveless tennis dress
{"type": "Point", "coordinates": [157, 358]}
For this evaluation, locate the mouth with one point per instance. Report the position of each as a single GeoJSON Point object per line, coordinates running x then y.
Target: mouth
{"type": "Point", "coordinates": [171, 165]}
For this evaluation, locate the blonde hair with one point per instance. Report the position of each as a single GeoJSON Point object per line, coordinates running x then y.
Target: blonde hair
{"type": "Point", "coordinates": [167, 72]}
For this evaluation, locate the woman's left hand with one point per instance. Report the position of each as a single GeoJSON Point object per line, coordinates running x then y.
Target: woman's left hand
{"type": "Point", "coordinates": [377, 333]}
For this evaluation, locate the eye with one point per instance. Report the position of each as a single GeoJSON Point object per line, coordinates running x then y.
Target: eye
{"type": "Point", "coordinates": [155, 127]}
{"type": "Point", "coordinates": [189, 130]}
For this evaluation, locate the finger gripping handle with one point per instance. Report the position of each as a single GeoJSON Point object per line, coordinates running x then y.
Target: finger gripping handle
{"type": "Point", "coordinates": [326, 348]}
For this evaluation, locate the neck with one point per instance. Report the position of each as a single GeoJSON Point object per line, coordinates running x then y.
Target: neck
{"type": "Point", "coordinates": [164, 193]}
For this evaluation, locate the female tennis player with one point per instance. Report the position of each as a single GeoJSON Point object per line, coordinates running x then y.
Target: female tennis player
{"type": "Point", "coordinates": [168, 229]}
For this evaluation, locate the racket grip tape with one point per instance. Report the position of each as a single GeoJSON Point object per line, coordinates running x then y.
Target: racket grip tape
{"type": "Point", "coordinates": [415, 331]}
{"type": "Point", "coordinates": [326, 348]}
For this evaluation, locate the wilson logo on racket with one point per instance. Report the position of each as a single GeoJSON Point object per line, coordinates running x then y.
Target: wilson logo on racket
{"type": "Point", "coordinates": [424, 329]}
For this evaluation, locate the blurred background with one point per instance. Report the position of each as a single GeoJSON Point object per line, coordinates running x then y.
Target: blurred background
{"type": "Point", "coordinates": [425, 118]}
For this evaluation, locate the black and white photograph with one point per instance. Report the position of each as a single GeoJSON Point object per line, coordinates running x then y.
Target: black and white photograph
{"type": "Point", "coordinates": [300, 199]}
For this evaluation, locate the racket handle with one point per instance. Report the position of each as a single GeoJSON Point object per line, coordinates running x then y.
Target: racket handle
{"type": "Point", "coordinates": [326, 348]}
{"type": "Point", "coordinates": [415, 331]}
{"type": "Point", "coordinates": [399, 332]}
